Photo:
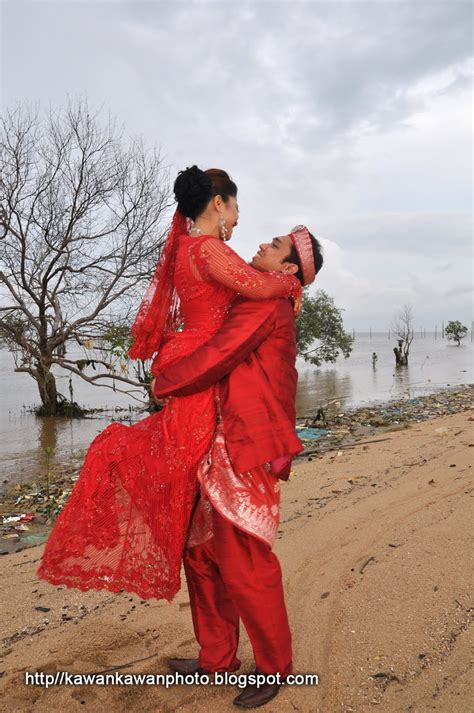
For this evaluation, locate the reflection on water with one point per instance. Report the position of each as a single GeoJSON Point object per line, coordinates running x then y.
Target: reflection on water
{"type": "Point", "coordinates": [318, 386]}
{"type": "Point", "coordinates": [433, 363]}
{"type": "Point", "coordinates": [23, 436]}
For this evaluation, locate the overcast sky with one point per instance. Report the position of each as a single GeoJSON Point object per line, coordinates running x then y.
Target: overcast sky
{"type": "Point", "coordinates": [353, 118]}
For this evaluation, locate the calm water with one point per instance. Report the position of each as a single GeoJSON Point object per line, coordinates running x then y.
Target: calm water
{"type": "Point", "coordinates": [434, 363]}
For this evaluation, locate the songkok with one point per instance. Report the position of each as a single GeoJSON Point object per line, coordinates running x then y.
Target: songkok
{"type": "Point", "coordinates": [301, 239]}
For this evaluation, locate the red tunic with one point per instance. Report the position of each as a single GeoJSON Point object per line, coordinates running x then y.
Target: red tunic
{"type": "Point", "coordinates": [253, 357]}
{"type": "Point", "coordinates": [256, 406]}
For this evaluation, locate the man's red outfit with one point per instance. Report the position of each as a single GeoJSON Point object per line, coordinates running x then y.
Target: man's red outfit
{"type": "Point", "coordinates": [230, 568]}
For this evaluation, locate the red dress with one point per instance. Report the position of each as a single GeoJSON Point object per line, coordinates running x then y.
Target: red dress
{"type": "Point", "coordinates": [125, 521]}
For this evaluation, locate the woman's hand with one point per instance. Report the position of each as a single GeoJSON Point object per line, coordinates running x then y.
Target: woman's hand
{"type": "Point", "coordinates": [297, 306]}
{"type": "Point", "coordinates": [296, 295]}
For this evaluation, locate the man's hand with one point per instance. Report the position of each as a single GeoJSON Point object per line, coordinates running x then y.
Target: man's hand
{"type": "Point", "coordinates": [160, 402]}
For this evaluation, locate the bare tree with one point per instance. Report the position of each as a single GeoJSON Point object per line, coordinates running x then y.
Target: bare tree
{"type": "Point", "coordinates": [402, 327]}
{"type": "Point", "coordinates": [81, 227]}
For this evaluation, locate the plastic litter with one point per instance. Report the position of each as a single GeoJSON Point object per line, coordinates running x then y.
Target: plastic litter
{"type": "Point", "coordinates": [37, 539]}
{"type": "Point", "coordinates": [311, 434]}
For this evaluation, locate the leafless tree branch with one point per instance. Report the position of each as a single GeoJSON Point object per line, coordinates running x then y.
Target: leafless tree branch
{"type": "Point", "coordinates": [82, 222]}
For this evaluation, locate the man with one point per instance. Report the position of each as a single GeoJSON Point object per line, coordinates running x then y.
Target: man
{"type": "Point", "coordinates": [230, 568]}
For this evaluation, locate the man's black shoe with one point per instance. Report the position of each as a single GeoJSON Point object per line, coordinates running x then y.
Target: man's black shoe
{"type": "Point", "coordinates": [253, 696]}
{"type": "Point", "coordinates": [185, 666]}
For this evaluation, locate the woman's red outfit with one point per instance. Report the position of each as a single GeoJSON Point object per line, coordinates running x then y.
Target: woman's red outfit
{"type": "Point", "coordinates": [124, 524]}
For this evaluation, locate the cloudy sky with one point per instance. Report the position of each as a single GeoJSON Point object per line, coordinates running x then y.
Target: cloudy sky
{"type": "Point", "coordinates": [352, 117]}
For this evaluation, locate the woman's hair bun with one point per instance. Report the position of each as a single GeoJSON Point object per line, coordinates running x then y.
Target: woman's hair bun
{"type": "Point", "coordinates": [192, 190]}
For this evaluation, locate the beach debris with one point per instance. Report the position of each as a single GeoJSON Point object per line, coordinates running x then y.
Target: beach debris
{"type": "Point", "coordinates": [310, 434]}
{"type": "Point", "coordinates": [129, 663]}
{"type": "Point", "coordinates": [367, 561]}
{"type": "Point", "coordinates": [351, 427]}
{"type": "Point", "coordinates": [36, 539]}
{"type": "Point", "coordinates": [349, 446]}
{"type": "Point", "coordinates": [384, 677]}
{"type": "Point", "coordinates": [25, 517]}
{"type": "Point", "coordinates": [319, 419]}
{"type": "Point", "coordinates": [41, 511]}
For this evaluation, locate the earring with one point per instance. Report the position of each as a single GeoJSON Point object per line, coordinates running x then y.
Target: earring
{"type": "Point", "coordinates": [222, 228]}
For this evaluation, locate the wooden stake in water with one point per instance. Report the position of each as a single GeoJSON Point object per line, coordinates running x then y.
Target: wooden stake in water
{"type": "Point", "coordinates": [49, 451]}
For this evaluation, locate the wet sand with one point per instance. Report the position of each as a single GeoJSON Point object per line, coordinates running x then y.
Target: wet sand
{"type": "Point", "coordinates": [375, 548]}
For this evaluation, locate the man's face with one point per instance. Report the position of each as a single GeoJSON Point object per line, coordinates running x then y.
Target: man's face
{"type": "Point", "coordinates": [272, 256]}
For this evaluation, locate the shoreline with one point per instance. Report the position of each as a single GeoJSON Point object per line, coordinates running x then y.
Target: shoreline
{"type": "Point", "coordinates": [374, 544]}
{"type": "Point", "coordinates": [348, 427]}
{"type": "Point", "coordinates": [23, 508]}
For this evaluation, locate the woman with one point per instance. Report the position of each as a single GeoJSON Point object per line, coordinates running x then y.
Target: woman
{"type": "Point", "coordinates": [125, 522]}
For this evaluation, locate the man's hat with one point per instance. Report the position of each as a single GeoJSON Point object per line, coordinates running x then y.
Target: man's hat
{"type": "Point", "coordinates": [301, 239]}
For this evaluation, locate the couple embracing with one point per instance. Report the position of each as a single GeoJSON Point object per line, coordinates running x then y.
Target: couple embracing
{"type": "Point", "coordinates": [198, 482]}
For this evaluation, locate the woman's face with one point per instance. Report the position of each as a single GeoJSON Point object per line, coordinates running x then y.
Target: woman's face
{"type": "Point", "coordinates": [230, 211]}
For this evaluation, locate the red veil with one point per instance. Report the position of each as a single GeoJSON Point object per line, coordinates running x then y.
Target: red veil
{"type": "Point", "coordinates": [159, 309]}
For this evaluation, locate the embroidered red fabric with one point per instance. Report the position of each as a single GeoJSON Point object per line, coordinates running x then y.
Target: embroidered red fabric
{"type": "Point", "coordinates": [158, 312]}
{"type": "Point", "coordinates": [124, 524]}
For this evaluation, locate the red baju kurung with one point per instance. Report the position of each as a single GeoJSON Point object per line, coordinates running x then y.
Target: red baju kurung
{"type": "Point", "coordinates": [124, 524]}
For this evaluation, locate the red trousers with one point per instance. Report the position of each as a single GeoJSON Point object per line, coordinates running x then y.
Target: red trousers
{"type": "Point", "coordinates": [235, 576]}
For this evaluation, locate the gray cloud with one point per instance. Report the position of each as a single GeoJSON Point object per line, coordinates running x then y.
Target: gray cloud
{"type": "Point", "coordinates": [351, 117]}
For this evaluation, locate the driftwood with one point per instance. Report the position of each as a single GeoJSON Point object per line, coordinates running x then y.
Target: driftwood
{"type": "Point", "coordinates": [126, 665]}
{"type": "Point", "coordinates": [370, 559]}
{"type": "Point", "coordinates": [349, 445]}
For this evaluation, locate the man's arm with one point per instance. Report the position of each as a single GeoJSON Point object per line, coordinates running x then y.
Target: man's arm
{"type": "Point", "coordinates": [248, 324]}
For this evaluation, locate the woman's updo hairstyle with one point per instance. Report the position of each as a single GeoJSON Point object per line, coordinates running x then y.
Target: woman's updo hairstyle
{"type": "Point", "coordinates": [193, 189]}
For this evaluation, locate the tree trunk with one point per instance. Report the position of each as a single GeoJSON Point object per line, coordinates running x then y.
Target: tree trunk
{"type": "Point", "coordinates": [401, 353]}
{"type": "Point", "coordinates": [47, 389]}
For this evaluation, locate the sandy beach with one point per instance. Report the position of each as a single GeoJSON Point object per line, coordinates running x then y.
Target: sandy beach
{"type": "Point", "coordinates": [375, 547]}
